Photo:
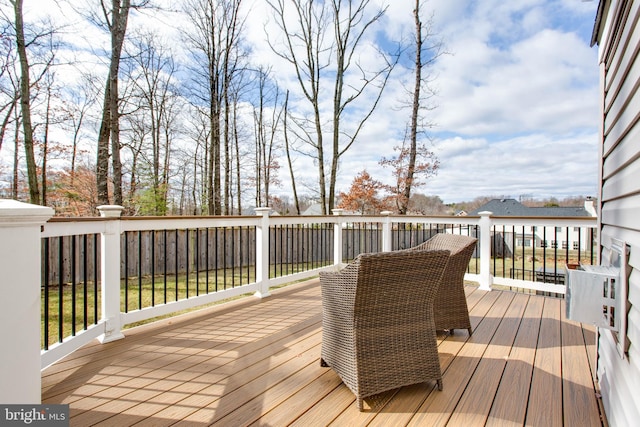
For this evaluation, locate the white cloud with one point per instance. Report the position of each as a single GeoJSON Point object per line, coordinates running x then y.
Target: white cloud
{"type": "Point", "coordinates": [538, 165]}
{"type": "Point", "coordinates": [518, 95]}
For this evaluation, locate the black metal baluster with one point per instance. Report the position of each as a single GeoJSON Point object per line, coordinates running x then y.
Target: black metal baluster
{"type": "Point", "coordinates": [544, 252]}
{"type": "Point", "coordinates": [85, 279]}
{"type": "Point", "coordinates": [206, 258]}
{"type": "Point", "coordinates": [153, 268]}
{"type": "Point", "coordinates": [196, 255]}
{"type": "Point", "coordinates": [493, 249]}
{"type": "Point", "coordinates": [533, 253]}
{"type": "Point", "coordinates": [73, 285]}
{"type": "Point", "coordinates": [186, 263]}
{"type": "Point", "coordinates": [224, 257]}
{"type": "Point", "coordinates": [46, 293]}
{"type": "Point", "coordinates": [60, 288]}
{"type": "Point", "coordinates": [216, 258]}
{"type": "Point", "coordinates": [139, 270]}
{"type": "Point", "coordinates": [165, 265]}
{"type": "Point", "coordinates": [240, 254]}
{"type": "Point", "coordinates": [96, 303]}
{"type": "Point", "coordinates": [289, 248]}
{"type": "Point", "coordinates": [126, 271]}
{"type": "Point", "coordinates": [175, 245]}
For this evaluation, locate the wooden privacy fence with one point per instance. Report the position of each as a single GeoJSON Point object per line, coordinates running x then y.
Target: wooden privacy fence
{"type": "Point", "coordinates": [146, 253]}
{"type": "Point", "coordinates": [151, 252]}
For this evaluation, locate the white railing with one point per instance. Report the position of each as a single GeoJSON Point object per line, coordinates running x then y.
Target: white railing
{"type": "Point", "coordinates": [394, 232]}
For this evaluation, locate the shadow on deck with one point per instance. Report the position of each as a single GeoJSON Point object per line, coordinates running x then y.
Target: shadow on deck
{"type": "Point", "coordinates": [256, 362]}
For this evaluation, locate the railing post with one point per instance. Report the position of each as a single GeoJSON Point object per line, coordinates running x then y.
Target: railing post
{"type": "Point", "coordinates": [337, 238]}
{"type": "Point", "coordinates": [262, 253]}
{"type": "Point", "coordinates": [386, 231]}
{"type": "Point", "coordinates": [20, 287]}
{"type": "Point", "coordinates": [110, 273]}
{"type": "Point", "coordinates": [486, 278]}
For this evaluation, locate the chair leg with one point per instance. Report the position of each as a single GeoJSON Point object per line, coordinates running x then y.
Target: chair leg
{"type": "Point", "coordinates": [323, 363]}
{"type": "Point", "coordinates": [469, 329]}
{"type": "Point", "coordinates": [439, 382]}
{"type": "Point", "coordinates": [360, 405]}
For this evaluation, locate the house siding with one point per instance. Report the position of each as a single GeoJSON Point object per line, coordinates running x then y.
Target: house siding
{"type": "Point", "coordinates": [619, 47]}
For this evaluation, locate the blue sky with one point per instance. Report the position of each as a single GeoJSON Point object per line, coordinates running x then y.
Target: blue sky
{"type": "Point", "coordinates": [517, 99]}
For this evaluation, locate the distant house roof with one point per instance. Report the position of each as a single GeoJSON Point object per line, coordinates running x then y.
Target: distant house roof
{"type": "Point", "coordinates": [595, 33]}
{"type": "Point", "coordinates": [511, 207]}
{"type": "Point", "coordinates": [314, 209]}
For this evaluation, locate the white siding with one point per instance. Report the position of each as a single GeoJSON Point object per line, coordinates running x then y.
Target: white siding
{"type": "Point", "coordinates": [619, 44]}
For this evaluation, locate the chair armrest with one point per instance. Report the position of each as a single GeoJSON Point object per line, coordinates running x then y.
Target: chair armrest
{"type": "Point", "coordinates": [338, 291]}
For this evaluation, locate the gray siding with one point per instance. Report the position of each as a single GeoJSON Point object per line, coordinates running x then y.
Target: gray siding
{"type": "Point", "coordinates": [619, 44]}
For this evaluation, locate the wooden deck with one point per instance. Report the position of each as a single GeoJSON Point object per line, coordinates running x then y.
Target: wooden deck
{"type": "Point", "coordinates": [256, 362]}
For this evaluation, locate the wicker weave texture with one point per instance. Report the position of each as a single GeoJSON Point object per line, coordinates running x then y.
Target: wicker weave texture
{"type": "Point", "coordinates": [378, 332]}
{"type": "Point", "coordinates": [450, 306]}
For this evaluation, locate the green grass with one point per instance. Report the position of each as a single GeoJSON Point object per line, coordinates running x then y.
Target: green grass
{"type": "Point", "coordinates": [523, 261]}
{"type": "Point", "coordinates": [152, 294]}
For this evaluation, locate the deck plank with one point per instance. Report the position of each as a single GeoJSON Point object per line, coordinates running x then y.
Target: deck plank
{"type": "Point", "coordinates": [256, 362]}
{"type": "Point", "coordinates": [290, 409]}
{"type": "Point", "coordinates": [438, 407]}
{"type": "Point", "coordinates": [244, 379]}
{"type": "Point", "coordinates": [545, 396]}
{"type": "Point", "coordinates": [408, 400]}
{"type": "Point", "coordinates": [475, 403]}
{"type": "Point", "coordinates": [579, 399]}
{"type": "Point", "coordinates": [519, 368]}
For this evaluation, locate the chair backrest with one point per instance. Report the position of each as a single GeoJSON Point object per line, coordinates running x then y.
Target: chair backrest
{"type": "Point", "coordinates": [398, 284]}
{"type": "Point", "coordinates": [461, 248]}
{"type": "Point", "coordinates": [451, 242]}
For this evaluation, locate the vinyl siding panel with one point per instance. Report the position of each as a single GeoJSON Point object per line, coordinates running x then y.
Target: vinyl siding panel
{"type": "Point", "coordinates": [622, 183]}
{"type": "Point", "coordinates": [623, 153]}
{"type": "Point", "coordinates": [623, 212]}
{"type": "Point", "coordinates": [617, 391]}
{"type": "Point", "coordinates": [618, 377]}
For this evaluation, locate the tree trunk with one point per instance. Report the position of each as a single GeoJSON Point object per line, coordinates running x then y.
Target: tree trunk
{"type": "Point", "coordinates": [45, 150]}
{"type": "Point", "coordinates": [286, 142]}
{"type": "Point", "coordinates": [404, 199]}
{"type": "Point", "coordinates": [25, 105]}
{"type": "Point", "coordinates": [120, 16]}
{"type": "Point", "coordinates": [102, 161]}
{"type": "Point", "coordinates": [16, 159]}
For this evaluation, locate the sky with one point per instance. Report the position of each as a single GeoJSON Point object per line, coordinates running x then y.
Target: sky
{"type": "Point", "coordinates": [516, 106]}
{"type": "Point", "coordinates": [518, 110]}
{"type": "Point", "coordinates": [517, 101]}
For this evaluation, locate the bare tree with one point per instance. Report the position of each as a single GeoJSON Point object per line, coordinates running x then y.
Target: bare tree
{"type": "Point", "coordinates": [156, 107]}
{"type": "Point", "coordinates": [78, 102]}
{"type": "Point", "coordinates": [267, 116]}
{"type": "Point", "coordinates": [416, 159]}
{"type": "Point", "coordinates": [25, 104]}
{"type": "Point", "coordinates": [36, 49]}
{"type": "Point", "coordinates": [288, 153]}
{"type": "Point", "coordinates": [317, 35]}
{"type": "Point", "coordinates": [214, 41]}
{"type": "Point", "coordinates": [9, 80]}
{"type": "Point", "coordinates": [112, 16]}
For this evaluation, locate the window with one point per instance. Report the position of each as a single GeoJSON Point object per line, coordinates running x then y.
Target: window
{"type": "Point", "coordinates": [554, 244]}
{"type": "Point", "coordinates": [564, 244]}
{"type": "Point", "coordinates": [576, 245]}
